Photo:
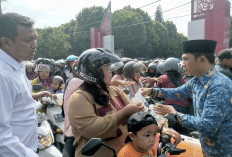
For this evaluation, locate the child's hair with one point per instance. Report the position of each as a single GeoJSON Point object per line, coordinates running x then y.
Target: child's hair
{"type": "Point", "coordinates": [137, 121]}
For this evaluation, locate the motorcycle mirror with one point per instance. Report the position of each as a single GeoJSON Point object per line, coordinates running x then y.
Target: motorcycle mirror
{"type": "Point", "coordinates": [37, 87]}
{"type": "Point", "coordinates": [91, 147]}
{"type": "Point", "coordinates": [172, 121]}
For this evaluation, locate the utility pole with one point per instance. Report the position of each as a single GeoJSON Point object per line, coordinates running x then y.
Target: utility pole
{"type": "Point", "coordinates": [0, 7]}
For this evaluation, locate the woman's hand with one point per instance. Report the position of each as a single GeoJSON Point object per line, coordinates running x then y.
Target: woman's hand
{"type": "Point", "coordinates": [133, 107]}
{"type": "Point", "coordinates": [41, 94]}
{"type": "Point", "coordinates": [128, 110]}
{"type": "Point", "coordinates": [47, 94]}
{"type": "Point", "coordinates": [54, 96]}
{"type": "Point", "coordinates": [163, 109]}
{"type": "Point", "coordinates": [122, 83]}
{"type": "Point", "coordinates": [172, 133]}
{"type": "Point", "coordinates": [151, 80]}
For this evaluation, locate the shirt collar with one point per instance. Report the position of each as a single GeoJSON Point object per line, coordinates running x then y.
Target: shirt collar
{"type": "Point", "coordinates": [205, 78]}
{"type": "Point", "coordinates": [10, 61]}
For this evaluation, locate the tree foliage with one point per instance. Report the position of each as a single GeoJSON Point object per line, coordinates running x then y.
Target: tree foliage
{"type": "Point", "coordinates": [52, 43]}
{"type": "Point", "coordinates": [129, 31]}
{"type": "Point", "coordinates": [161, 31]}
{"type": "Point", "coordinates": [134, 32]}
{"type": "Point", "coordinates": [152, 37]}
{"type": "Point", "coordinates": [159, 14]}
{"type": "Point", "coordinates": [68, 29]}
{"type": "Point", "coordinates": [87, 18]}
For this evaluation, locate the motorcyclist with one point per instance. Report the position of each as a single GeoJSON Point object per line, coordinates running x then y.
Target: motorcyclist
{"type": "Point", "coordinates": [62, 64]}
{"type": "Point", "coordinates": [117, 69]}
{"type": "Point", "coordinates": [131, 71]}
{"type": "Point", "coordinates": [68, 68]}
{"type": "Point", "coordinates": [104, 108]}
{"type": "Point", "coordinates": [58, 71]}
{"type": "Point", "coordinates": [30, 71]}
{"type": "Point", "coordinates": [225, 62]}
{"type": "Point", "coordinates": [56, 85]}
{"type": "Point", "coordinates": [44, 77]}
{"type": "Point", "coordinates": [152, 68]}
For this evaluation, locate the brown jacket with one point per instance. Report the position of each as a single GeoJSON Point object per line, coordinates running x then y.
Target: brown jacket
{"type": "Point", "coordinates": [89, 119]}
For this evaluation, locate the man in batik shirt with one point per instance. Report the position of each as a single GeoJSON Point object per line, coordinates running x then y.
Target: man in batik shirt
{"type": "Point", "coordinates": [212, 99]}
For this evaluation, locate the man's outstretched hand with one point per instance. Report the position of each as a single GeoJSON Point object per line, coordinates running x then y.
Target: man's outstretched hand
{"type": "Point", "coordinates": [146, 91]}
{"type": "Point", "coordinates": [163, 109]}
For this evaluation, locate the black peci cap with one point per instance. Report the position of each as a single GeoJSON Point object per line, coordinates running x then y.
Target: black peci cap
{"type": "Point", "coordinates": [199, 46]}
{"type": "Point", "coordinates": [137, 121]}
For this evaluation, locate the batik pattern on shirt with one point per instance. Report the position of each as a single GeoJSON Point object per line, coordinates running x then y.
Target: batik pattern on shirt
{"type": "Point", "coordinates": [212, 99]}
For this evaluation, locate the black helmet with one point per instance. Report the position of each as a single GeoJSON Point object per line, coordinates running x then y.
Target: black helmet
{"type": "Point", "coordinates": [152, 66]}
{"type": "Point", "coordinates": [126, 59]}
{"type": "Point", "coordinates": [130, 66]}
{"type": "Point", "coordinates": [91, 61]}
{"type": "Point", "coordinates": [46, 61]}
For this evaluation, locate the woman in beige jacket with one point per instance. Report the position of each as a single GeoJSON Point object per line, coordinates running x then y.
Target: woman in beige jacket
{"type": "Point", "coordinates": [98, 109]}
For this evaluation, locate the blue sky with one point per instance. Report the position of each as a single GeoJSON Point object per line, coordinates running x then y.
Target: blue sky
{"type": "Point", "coordinates": [53, 13]}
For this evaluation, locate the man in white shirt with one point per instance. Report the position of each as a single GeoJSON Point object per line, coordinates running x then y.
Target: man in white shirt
{"type": "Point", "coordinates": [18, 124]}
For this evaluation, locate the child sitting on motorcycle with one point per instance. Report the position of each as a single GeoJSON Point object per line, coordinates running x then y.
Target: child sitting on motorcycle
{"type": "Point", "coordinates": [142, 129]}
{"type": "Point", "coordinates": [57, 85]}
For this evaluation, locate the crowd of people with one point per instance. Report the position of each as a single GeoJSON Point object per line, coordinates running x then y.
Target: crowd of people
{"type": "Point", "coordinates": [98, 89]}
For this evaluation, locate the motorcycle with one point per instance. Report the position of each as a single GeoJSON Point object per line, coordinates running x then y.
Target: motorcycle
{"type": "Point", "coordinates": [45, 136]}
{"type": "Point", "coordinates": [56, 119]}
{"type": "Point", "coordinates": [53, 117]}
{"type": "Point", "coordinates": [93, 145]}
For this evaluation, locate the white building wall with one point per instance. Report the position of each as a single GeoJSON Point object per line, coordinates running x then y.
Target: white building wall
{"type": "Point", "coordinates": [108, 42]}
{"type": "Point", "coordinates": [196, 29]}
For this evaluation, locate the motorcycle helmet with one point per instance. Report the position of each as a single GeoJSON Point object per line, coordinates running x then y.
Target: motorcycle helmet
{"type": "Point", "coordinates": [57, 63]}
{"type": "Point", "coordinates": [152, 66]}
{"type": "Point", "coordinates": [91, 61]}
{"type": "Point", "coordinates": [43, 67]}
{"type": "Point", "coordinates": [45, 61]}
{"type": "Point", "coordinates": [59, 79]}
{"type": "Point", "coordinates": [62, 61]}
{"type": "Point", "coordinates": [147, 62]}
{"type": "Point", "coordinates": [171, 64]}
{"type": "Point", "coordinates": [70, 58]}
{"type": "Point", "coordinates": [160, 67]}
{"type": "Point", "coordinates": [130, 66]}
{"type": "Point", "coordinates": [125, 60]}
{"type": "Point", "coordinates": [116, 66]}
